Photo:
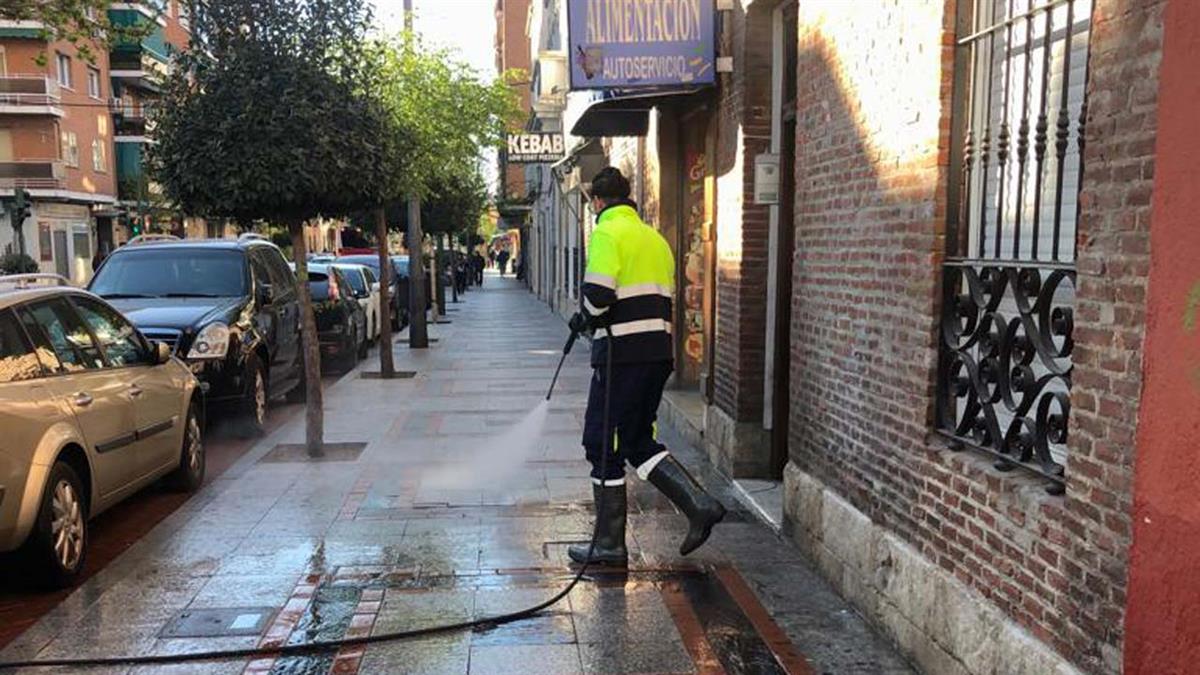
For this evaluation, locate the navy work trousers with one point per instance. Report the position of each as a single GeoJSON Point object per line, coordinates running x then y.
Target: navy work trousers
{"type": "Point", "coordinates": [636, 392]}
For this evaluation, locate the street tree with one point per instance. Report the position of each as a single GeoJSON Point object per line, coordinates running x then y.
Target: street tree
{"type": "Point", "coordinates": [442, 115]}
{"type": "Point", "coordinates": [452, 208]}
{"type": "Point", "coordinates": [268, 117]}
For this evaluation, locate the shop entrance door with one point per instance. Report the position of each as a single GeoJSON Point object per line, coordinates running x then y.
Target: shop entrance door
{"type": "Point", "coordinates": [694, 253]}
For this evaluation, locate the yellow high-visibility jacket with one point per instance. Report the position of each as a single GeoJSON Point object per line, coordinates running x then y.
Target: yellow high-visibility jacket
{"type": "Point", "coordinates": [629, 285]}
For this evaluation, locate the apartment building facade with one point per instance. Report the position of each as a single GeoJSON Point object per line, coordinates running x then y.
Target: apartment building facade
{"type": "Point", "coordinates": [56, 142]}
{"type": "Point", "coordinates": [938, 286]}
{"type": "Point", "coordinates": [73, 133]}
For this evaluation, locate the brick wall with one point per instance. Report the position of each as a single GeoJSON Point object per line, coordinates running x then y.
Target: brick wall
{"type": "Point", "coordinates": [1113, 265]}
{"type": "Point", "coordinates": [743, 131]}
{"type": "Point", "coordinates": [872, 154]}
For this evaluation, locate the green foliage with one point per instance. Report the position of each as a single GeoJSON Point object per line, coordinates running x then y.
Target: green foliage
{"type": "Point", "coordinates": [82, 23]}
{"type": "Point", "coordinates": [269, 114]}
{"type": "Point", "coordinates": [17, 263]}
{"type": "Point", "coordinates": [454, 203]}
{"type": "Point", "coordinates": [443, 114]}
{"type": "Point", "coordinates": [487, 226]}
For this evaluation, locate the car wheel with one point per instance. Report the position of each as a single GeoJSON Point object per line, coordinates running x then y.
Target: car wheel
{"type": "Point", "coordinates": [299, 393]}
{"type": "Point", "coordinates": [190, 474]}
{"type": "Point", "coordinates": [254, 405]}
{"type": "Point", "coordinates": [364, 344]}
{"type": "Point", "coordinates": [57, 546]}
{"type": "Point", "coordinates": [350, 352]}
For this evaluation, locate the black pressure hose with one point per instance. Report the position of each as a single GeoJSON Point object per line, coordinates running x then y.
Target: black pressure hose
{"type": "Point", "coordinates": [324, 647]}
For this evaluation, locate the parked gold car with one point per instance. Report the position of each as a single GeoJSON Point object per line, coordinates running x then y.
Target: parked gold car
{"type": "Point", "coordinates": [91, 412]}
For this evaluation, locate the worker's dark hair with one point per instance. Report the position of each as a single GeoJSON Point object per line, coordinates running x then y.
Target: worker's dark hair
{"type": "Point", "coordinates": [609, 185]}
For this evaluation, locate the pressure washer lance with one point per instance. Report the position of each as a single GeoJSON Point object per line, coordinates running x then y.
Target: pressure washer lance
{"type": "Point", "coordinates": [324, 647]}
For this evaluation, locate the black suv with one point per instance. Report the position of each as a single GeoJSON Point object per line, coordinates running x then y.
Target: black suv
{"type": "Point", "coordinates": [230, 309]}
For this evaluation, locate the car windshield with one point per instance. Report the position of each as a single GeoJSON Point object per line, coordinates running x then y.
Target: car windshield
{"type": "Point", "coordinates": [178, 272]}
{"type": "Point", "coordinates": [356, 280]}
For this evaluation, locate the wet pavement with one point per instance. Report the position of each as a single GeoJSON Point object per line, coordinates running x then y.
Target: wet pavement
{"type": "Point", "coordinates": [420, 526]}
{"type": "Point", "coordinates": [115, 530]}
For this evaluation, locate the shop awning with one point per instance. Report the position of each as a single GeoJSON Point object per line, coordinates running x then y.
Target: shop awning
{"type": "Point", "coordinates": [625, 114]}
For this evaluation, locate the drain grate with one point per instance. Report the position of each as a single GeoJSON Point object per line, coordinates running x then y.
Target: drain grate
{"type": "Point", "coordinates": [298, 452]}
{"type": "Point", "coordinates": [219, 622]}
{"type": "Point", "coordinates": [397, 375]}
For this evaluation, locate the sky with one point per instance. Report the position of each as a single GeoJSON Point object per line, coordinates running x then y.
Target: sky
{"type": "Point", "coordinates": [467, 26]}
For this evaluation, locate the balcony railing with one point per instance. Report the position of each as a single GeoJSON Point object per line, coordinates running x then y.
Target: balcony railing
{"type": "Point", "coordinates": [129, 120]}
{"type": "Point", "coordinates": [45, 174]}
{"type": "Point", "coordinates": [29, 90]}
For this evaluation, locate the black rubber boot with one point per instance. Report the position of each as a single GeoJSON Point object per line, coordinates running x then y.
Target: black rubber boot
{"type": "Point", "coordinates": [701, 509]}
{"type": "Point", "coordinates": [610, 528]}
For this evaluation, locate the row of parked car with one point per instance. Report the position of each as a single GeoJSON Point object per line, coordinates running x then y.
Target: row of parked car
{"type": "Point", "coordinates": [106, 390]}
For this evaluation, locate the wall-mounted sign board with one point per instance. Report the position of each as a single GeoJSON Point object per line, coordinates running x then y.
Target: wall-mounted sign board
{"type": "Point", "coordinates": [534, 148]}
{"type": "Point", "coordinates": [625, 44]}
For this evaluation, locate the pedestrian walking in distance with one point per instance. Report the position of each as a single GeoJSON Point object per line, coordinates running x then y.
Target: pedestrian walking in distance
{"type": "Point", "coordinates": [502, 260]}
{"type": "Point", "coordinates": [627, 293]}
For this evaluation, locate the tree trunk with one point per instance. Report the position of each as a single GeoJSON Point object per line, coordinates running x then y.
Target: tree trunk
{"type": "Point", "coordinates": [418, 331]}
{"type": "Point", "coordinates": [439, 279]}
{"type": "Point", "coordinates": [453, 270]}
{"type": "Point", "coordinates": [314, 414]}
{"type": "Point", "coordinates": [387, 366]}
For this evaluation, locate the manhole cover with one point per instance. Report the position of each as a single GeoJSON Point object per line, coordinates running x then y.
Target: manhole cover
{"type": "Point", "coordinates": [398, 375]}
{"type": "Point", "coordinates": [219, 622]}
{"type": "Point", "coordinates": [298, 452]}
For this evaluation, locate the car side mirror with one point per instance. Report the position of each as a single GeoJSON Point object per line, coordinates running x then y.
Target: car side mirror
{"type": "Point", "coordinates": [162, 352]}
{"type": "Point", "coordinates": [374, 286]}
{"type": "Point", "coordinates": [265, 294]}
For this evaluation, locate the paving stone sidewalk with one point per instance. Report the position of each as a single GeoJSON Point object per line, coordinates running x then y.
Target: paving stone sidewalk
{"type": "Point", "coordinates": [280, 549]}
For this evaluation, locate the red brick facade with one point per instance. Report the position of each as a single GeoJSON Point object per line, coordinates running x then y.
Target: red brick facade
{"type": "Point", "coordinates": [872, 171]}
{"type": "Point", "coordinates": [744, 131]}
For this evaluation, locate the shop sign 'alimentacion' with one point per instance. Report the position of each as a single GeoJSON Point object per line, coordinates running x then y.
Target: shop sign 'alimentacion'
{"type": "Point", "coordinates": [623, 44]}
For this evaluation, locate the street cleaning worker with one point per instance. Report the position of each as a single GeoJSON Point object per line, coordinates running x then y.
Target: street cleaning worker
{"type": "Point", "coordinates": [627, 290]}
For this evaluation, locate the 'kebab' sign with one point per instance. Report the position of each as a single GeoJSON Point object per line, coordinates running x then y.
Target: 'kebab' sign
{"type": "Point", "coordinates": [624, 44]}
{"type": "Point", "coordinates": [534, 148]}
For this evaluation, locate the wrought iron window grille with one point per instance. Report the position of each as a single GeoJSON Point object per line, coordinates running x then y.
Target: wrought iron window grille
{"type": "Point", "coordinates": [1020, 108]}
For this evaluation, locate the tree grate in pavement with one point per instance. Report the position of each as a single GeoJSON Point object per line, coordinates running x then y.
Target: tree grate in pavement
{"type": "Point", "coordinates": [397, 375]}
{"type": "Point", "coordinates": [219, 622]}
{"type": "Point", "coordinates": [298, 453]}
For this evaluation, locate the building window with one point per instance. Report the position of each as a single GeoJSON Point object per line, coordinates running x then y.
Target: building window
{"type": "Point", "coordinates": [99, 156]}
{"type": "Point", "coordinates": [64, 70]}
{"type": "Point", "coordinates": [1009, 276]}
{"type": "Point", "coordinates": [93, 82]}
{"type": "Point", "coordinates": [70, 149]}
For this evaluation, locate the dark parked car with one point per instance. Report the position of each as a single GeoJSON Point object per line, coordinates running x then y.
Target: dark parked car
{"type": "Point", "coordinates": [341, 321]}
{"type": "Point", "coordinates": [398, 289]}
{"type": "Point", "coordinates": [230, 309]}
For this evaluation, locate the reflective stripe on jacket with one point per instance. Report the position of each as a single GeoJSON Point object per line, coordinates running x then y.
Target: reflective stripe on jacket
{"type": "Point", "coordinates": [629, 283]}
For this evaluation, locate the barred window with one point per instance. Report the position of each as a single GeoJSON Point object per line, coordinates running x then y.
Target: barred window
{"type": "Point", "coordinates": [1021, 106]}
